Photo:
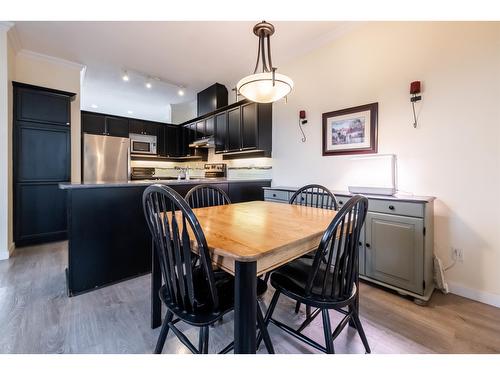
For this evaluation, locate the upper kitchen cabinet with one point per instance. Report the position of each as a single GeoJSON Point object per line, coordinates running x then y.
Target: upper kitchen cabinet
{"type": "Point", "coordinates": [211, 99]}
{"type": "Point", "coordinates": [209, 126]}
{"type": "Point", "coordinates": [168, 141]}
{"type": "Point", "coordinates": [100, 124]}
{"type": "Point", "coordinates": [248, 130]}
{"type": "Point", "coordinates": [249, 126]}
{"type": "Point", "coordinates": [220, 124]}
{"type": "Point", "coordinates": [43, 106]}
{"type": "Point", "coordinates": [116, 126]}
{"type": "Point", "coordinates": [142, 127]}
{"type": "Point", "coordinates": [234, 129]}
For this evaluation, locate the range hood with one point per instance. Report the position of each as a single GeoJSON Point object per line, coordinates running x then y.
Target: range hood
{"type": "Point", "coordinates": [206, 142]}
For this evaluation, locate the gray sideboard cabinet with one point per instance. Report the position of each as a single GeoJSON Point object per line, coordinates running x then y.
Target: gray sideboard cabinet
{"type": "Point", "coordinates": [396, 243]}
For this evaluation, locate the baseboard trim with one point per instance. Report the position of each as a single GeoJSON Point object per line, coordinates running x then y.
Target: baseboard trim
{"type": "Point", "coordinates": [7, 254]}
{"type": "Point", "coordinates": [477, 295]}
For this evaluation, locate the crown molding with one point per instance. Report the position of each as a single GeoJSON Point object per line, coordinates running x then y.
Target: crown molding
{"type": "Point", "coordinates": [52, 59]}
{"type": "Point", "coordinates": [6, 25]}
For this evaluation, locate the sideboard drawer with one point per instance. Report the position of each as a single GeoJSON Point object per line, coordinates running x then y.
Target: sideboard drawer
{"type": "Point", "coordinates": [342, 199]}
{"type": "Point", "coordinates": [396, 208]}
{"type": "Point", "coordinates": [276, 195]}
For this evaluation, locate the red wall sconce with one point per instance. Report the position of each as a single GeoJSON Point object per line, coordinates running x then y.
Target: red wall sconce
{"type": "Point", "coordinates": [414, 91]}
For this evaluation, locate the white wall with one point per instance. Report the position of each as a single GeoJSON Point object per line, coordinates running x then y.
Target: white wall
{"type": "Point", "coordinates": [57, 74]}
{"type": "Point", "coordinates": [454, 153]}
{"type": "Point", "coordinates": [183, 111]}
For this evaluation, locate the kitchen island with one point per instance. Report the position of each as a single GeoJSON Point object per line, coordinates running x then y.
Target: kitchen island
{"type": "Point", "coordinates": [108, 238]}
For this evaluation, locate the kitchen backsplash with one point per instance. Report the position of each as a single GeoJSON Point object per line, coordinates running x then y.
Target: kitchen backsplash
{"type": "Point", "coordinates": [240, 168]}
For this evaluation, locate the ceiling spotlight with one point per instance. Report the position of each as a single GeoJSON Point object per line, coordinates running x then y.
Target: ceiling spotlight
{"type": "Point", "coordinates": [130, 112]}
{"type": "Point", "coordinates": [149, 85]}
{"type": "Point", "coordinates": [94, 106]}
{"type": "Point", "coordinates": [125, 76]}
{"type": "Point", "coordinates": [180, 92]}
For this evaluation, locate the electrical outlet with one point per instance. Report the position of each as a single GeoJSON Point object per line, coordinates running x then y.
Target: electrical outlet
{"type": "Point", "coordinates": [457, 255]}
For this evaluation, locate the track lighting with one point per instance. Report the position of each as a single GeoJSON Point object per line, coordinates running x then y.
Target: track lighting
{"type": "Point", "coordinates": [125, 76]}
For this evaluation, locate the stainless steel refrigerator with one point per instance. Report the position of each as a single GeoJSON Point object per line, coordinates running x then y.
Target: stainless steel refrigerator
{"type": "Point", "coordinates": [105, 158]}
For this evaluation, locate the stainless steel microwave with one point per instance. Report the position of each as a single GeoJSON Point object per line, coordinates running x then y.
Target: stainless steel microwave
{"type": "Point", "coordinates": [142, 144]}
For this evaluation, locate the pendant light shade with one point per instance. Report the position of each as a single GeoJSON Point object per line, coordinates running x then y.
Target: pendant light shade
{"type": "Point", "coordinates": [267, 86]}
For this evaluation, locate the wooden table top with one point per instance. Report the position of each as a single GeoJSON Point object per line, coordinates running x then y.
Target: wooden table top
{"type": "Point", "coordinates": [253, 230]}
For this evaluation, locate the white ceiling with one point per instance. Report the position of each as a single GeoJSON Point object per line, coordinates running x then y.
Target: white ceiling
{"type": "Point", "coordinates": [192, 54]}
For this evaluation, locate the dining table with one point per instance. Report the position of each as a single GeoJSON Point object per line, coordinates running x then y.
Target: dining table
{"type": "Point", "coordinates": [248, 240]}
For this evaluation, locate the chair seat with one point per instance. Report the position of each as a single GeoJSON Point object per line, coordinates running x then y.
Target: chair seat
{"type": "Point", "coordinates": [291, 279]}
{"type": "Point", "coordinates": [204, 314]}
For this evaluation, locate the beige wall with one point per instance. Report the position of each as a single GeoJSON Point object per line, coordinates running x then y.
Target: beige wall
{"type": "Point", "coordinates": [454, 153]}
{"type": "Point", "coordinates": [45, 71]}
{"type": "Point", "coordinates": [4, 143]}
{"type": "Point", "coordinates": [11, 60]}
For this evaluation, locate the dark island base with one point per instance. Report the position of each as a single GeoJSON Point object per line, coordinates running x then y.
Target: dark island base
{"type": "Point", "coordinates": [108, 237]}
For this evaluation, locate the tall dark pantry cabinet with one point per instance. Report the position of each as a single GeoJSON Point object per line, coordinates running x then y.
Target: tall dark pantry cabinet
{"type": "Point", "coordinates": [41, 160]}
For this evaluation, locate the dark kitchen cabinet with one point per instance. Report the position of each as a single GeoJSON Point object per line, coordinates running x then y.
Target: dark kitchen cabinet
{"type": "Point", "coordinates": [116, 126]}
{"type": "Point", "coordinates": [247, 191]}
{"type": "Point", "coordinates": [161, 141]}
{"type": "Point", "coordinates": [242, 129]}
{"type": "Point", "coordinates": [136, 126]}
{"type": "Point", "coordinates": [183, 141]}
{"type": "Point", "coordinates": [211, 99]}
{"type": "Point", "coordinates": [42, 107]}
{"type": "Point", "coordinates": [209, 126]}
{"type": "Point", "coordinates": [172, 137]}
{"type": "Point", "coordinates": [200, 129]}
{"type": "Point", "coordinates": [100, 124]}
{"type": "Point", "coordinates": [41, 160]}
{"type": "Point", "coordinates": [234, 129]}
{"type": "Point", "coordinates": [43, 152]}
{"type": "Point", "coordinates": [220, 121]}
{"type": "Point", "coordinates": [93, 123]}
{"type": "Point", "coordinates": [249, 126]}
{"type": "Point", "coordinates": [142, 127]}
{"type": "Point", "coordinates": [40, 213]}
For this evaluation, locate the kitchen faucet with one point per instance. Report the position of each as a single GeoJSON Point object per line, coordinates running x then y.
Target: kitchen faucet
{"type": "Point", "coordinates": [183, 171]}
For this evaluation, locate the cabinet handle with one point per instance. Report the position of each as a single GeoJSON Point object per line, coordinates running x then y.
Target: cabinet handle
{"type": "Point", "coordinates": [391, 207]}
{"type": "Point", "coordinates": [360, 243]}
{"type": "Point", "coordinates": [367, 245]}
{"type": "Point", "coordinates": [274, 195]}
{"type": "Point", "coordinates": [341, 202]}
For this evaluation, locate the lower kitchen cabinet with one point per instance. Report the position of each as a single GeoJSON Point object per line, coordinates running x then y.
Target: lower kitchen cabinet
{"type": "Point", "coordinates": [40, 213]}
{"type": "Point", "coordinates": [396, 242]}
{"type": "Point", "coordinates": [394, 250]}
{"type": "Point", "coordinates": [109, 240]}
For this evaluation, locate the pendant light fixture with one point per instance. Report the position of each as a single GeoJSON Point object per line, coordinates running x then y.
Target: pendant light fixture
{"type": "Point", "coordinates": [266, 86]}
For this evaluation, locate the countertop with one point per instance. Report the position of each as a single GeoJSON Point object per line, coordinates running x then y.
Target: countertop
{"type": "Point", "coordinates": [397, 196]}
{"type": "Point", "coordinates": [193, 181]}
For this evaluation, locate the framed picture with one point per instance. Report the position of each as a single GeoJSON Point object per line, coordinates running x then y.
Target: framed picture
{"type": "Point", "coordinates": [350, 131]}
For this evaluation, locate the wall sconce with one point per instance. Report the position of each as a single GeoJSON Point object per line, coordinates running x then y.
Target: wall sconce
{"type": "Point", "coordinates": [302, 121]}
{"type": "Point", "coordinates": [414, 91]}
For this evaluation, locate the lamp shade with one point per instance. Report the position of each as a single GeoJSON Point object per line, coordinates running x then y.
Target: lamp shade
{"type": "Point", "coordinates": [259, 87]}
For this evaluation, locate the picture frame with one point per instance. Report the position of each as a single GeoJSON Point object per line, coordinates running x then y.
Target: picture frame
{"type": "Point", "coordinates": [351, 131]}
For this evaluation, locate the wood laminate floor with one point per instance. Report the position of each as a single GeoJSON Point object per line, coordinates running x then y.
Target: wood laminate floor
{"type": "Point", "coordinates": [36, 316]}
